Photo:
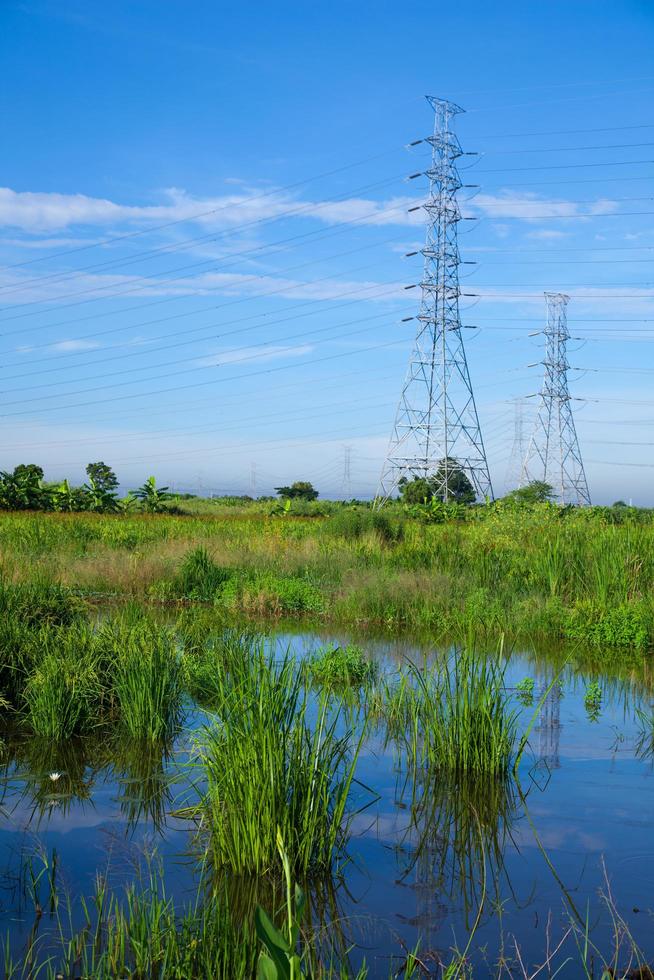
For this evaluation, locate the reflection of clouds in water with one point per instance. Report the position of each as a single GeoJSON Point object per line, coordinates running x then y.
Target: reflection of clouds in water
{"type": "Point", "coordinates": [561, 836]}
{"type": "Point", "coordinates": [384, 827]}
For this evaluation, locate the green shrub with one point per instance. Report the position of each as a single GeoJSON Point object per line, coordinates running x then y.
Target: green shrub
{"type": "Point", "coordinates": [355, 522]}
{"type": "Point", "coordinates": [41, 603]}
{"type": "Point", "coordinates": [199, 577]}
{"type": "Point", "coordinates": [623, 625]}
{"type": "Point", "coordinates": [267, 593]}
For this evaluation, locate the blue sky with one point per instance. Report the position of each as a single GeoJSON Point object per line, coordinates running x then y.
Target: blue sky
{"type": "Point", "coordinates": [204, 217]}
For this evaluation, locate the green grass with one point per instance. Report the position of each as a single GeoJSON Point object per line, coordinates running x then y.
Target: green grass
{"type": "Point", "coordinates": [147, 680]}
{"type": "Point", "coordinates": [61, 691]}
{"type": "Point", "coordinates": [269, 768]}
{"type": "Point", "coordinates": [531, 573]}
{"type": "Point", "coordinates": [335, 666]}
{"type": "Point", "coordinates": [454, 716]}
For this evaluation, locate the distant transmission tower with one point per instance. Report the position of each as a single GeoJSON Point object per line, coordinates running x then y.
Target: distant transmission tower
{"type": "Point", "coordinates": [553, 454]}
{"type": "Point", "coordinates": [436, 432]}
{"type": "Point", "coordinates": [519, 447]}
{"type": "Point", "coordinates": [346, 484]}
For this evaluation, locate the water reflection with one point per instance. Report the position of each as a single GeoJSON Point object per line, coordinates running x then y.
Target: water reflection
{"type": "Point", "coordinates": [42, 777]}
{"type": "Point", "coordinates": [454, 844]}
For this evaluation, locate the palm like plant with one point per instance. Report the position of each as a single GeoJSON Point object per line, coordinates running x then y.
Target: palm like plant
{"type": "Point", "coordinates": [151, 496]}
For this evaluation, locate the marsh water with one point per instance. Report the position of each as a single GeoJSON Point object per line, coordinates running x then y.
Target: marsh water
{"type": "Point", "coordinates": [427, 862]}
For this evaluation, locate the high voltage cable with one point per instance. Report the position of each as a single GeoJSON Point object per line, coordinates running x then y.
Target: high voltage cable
{"type": "Point", "coordinates": [565, 132]}
{"type": "Point", "coordinates": [208, 289]}
{"type": "Point", "coordinates": [164, 433]}
{"type": "Point", "coordinates": [239, 395]}
{"type": "Point", "coordinates": [183, 343]}
{"type": "Point", "coordinates": [216, 450]}
{"type": "Point", "coordinates": [212, 326]}
{"type": "Point", "coordinates": [155, 281]}
{"type": "Point", "coordinates": [213, 381]}
{"type": "Point", "coordinates": [259, 345]}
{"type": "Point", "coordinates": [566, 217]}
{"type": "Point", "coordinates": [268, 420]}
{"type": "Point", "coordinates": [204, 214]}
{"type": "Point", "coordinates": [204, 239]}
{"type": "Point", "coordinates": [491, 250]}
{"type": "Point", "coordinates": [563, 166]}
{"type": "Point", "coordinates": [562, 149]}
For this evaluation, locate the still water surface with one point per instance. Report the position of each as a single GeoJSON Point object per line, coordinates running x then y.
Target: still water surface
{"type": "Point", "coordinates": [584, 823]}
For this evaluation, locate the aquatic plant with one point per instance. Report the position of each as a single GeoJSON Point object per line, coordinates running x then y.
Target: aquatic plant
{"type": "Point", "coordinates": [147, 680]}
{"type": "Point", "coordinates": [61, 690]}
{"type": "Point", "coordinates": [456, 714]}
{"type": "Point", "coordinates": [210, 658]}
{"type": "Point", "coordinates": [525, 690]}
{"type": "Point", "coordinates": [593, 700]}
{"type": "Point", "coordinates": [268, 768]}
{"type": "Point", "coordinates": [341, 665]}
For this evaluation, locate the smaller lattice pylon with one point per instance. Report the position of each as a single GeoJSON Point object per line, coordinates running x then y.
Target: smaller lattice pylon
{"type": "Point", "coordinates": [553, 454]}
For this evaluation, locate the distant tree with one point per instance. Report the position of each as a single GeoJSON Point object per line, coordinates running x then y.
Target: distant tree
{"type": "Point", "coordinates": [23, 489]}
{"type": "Point", "coordinates": [536, 492]}
{"type": "Point", "coordinates": [300, 490]}
{"type": "Point", "coordinates": [102, 476]}
{"type": "Point", "coordinates": [619, 503]}
{"type": "Point", "coordinates": [28, 471]}
{"type": "Point", "coordinates": [459, 488]}
{"type": "Point", "coordinates": [417, 491]}
{"type": "Point", "coordinates": [424, 489]}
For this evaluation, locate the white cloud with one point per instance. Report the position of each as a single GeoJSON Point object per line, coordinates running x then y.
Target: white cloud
{"type": "Point", "coordinates": [45, 243]}
{"type": "Point", "coordinates": [547, 234]}
{"type": "Point", "coordinates": [75, 345]}
{"type": "Point", "coordinates": [265, 353]}
{"type": "Point", "coordinates": [512, 204]}
{"type": "Point", "coordinates": [230, 284]}
{"type": "Point", "coordinates": [35, 211]}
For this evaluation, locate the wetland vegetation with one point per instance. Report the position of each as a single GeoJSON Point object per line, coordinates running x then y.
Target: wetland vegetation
{"type": "Point", "coordinates": [312, 731]}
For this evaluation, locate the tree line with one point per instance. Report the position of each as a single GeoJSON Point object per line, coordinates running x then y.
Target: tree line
{"type": "Point", "coordinates": [24, 488]}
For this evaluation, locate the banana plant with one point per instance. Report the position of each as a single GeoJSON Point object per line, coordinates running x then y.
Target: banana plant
{"type": "Point", "coordinates": [99, 499]}
{"type": "Point", "coordinates": [152, 497]}
{"type": "Point", "coordinates": [63, 497]}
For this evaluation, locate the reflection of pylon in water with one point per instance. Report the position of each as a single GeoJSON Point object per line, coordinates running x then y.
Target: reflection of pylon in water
{"type": "Point", "coordinates": [549, 729]}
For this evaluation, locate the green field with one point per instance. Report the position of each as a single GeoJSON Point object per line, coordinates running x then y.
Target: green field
{"type": "Point", "coordinates": [528, 573]}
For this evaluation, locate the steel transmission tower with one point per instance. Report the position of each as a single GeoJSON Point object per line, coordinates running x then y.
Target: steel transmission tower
{"type": "Point", "coordinates": [436, 433]}
{"type": "Point", "coordinates": [553, 454]}
{"type": "Point", "coordinates": [519, 447]}
{"type": "Point", "coordinates": [346, 484]}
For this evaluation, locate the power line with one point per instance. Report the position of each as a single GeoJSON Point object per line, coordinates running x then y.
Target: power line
{"type": "Point", "coordinates": [204, 239]}
{"type": "Point", "coordinates": [202, 384]}
{"type": "Point", "coordinates": [157, 281]}
{"type": "Point", "coordinates": [205, 214]}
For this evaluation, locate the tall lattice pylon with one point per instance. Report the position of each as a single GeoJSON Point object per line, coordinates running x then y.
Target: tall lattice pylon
{"type": "Point", "coordinates": [436, 433]}
{"type": "Point", "coordinates": [553, 454]}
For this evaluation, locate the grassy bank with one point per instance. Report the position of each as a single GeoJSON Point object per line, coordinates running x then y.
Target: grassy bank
{"type": "Point", "coordinates": [530, 573]}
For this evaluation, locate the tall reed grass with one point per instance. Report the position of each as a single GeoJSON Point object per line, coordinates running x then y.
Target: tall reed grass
{"type": "Point", "coordinates": [147, 680]}
{"type": "Point", "coordinates": [454, 715]}
{"type": "Point", "coordinates": [270, 766]}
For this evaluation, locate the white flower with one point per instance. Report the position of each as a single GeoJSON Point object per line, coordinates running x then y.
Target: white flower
{"type": "Point", "coordinates": [54, 776]}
